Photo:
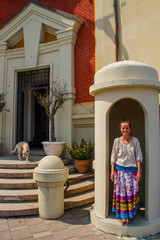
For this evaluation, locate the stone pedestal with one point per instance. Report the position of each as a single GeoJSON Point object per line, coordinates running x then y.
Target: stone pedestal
{"type": "Point", "coordinates": [51, 176]}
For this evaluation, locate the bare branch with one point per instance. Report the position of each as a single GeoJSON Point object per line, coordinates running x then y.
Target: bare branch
{"type": "Point", "coordinates": [53, 101]}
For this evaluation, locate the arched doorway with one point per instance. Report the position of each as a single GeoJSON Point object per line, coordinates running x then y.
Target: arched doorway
{"type": "Point", "coordinates": [128, 109]}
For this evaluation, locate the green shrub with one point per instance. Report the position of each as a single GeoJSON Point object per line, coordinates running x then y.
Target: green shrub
{"type": "Point", "coordinates": [82, 151]}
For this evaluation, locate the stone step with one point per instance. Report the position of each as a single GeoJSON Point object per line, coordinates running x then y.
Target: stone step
{"type": "Point", "coordinates": [28, 183]}
{"type": "Point", "coordinates": [31, 208]}
{"type": "Point", "coordinates": [78, 177]}
{"type": "Point", "coordinates": [17, 195]}
{"type": "Point", "coordinates": [80, 187]}
{"type": "Point", "coordinates": [19, 183]}
{"type": "Point", "coordinates": [18, 209]}
{"type": "Point", "coordinates": [24, 173]}
{"type": "Point", "coordinates": [13, 164]}
{"type": "Point", "coordinates": [7, 163]}
{"type": "Point", "coordinates": [16, 173]}
{"type": "Point", "coordinates": [79, 200]}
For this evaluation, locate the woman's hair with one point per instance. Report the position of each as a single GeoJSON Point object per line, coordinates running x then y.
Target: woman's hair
{"type": "Point", "coordinates": [125, 121]}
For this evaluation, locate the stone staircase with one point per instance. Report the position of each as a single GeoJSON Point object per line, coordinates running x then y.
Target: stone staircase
{"type": "Point", "coordinates": [19, 193]}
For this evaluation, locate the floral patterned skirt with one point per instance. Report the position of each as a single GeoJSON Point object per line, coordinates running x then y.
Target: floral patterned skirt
{"type": "Point", "coordinates": [126, 194]}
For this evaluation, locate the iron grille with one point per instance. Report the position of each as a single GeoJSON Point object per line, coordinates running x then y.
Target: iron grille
{"type": "Point", "coordinates": [30, 80]}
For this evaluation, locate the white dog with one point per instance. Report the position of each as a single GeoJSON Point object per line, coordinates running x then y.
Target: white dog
{"type": "Point", "coordinates": [22, 147]}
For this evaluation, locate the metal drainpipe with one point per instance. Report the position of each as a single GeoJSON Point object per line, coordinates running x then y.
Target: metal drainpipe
{"type": "Point", "coordinates": [116, 30]}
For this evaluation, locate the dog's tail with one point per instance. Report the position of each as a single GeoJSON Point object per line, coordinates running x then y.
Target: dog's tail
{"type": "Point", "coordinates": [14, 150]}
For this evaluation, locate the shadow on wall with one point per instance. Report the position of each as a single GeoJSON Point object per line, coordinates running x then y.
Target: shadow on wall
{"type": "Point", "coordinates": [105, 25]}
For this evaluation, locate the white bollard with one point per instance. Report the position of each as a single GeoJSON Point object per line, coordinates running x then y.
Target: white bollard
{"type": "Point", "coordinates": [51, 175]}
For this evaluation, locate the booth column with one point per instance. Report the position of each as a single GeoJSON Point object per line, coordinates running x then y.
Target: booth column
{"type": "Point", "coordinates": [137, 82]}
{"type": "Point", "coordinates": [101, 161]}
{"type": "Point", "coordinates": [152, 189]}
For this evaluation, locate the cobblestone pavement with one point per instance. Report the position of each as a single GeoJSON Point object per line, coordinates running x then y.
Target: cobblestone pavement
{"type": "Point", "coordinates": [74, 225]}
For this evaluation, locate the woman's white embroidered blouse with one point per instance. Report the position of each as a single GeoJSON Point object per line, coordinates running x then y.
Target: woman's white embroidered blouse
{"type": "Point", "coordinates": [126, 155]}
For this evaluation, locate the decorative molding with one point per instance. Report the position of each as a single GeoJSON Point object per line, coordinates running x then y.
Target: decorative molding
{"type": "Point", "coordinates": [14, 39]}
{"type": "Point", "coordinates": [83, 121]}
{"type": "Point", "coordinates": [32, 35]}
{"type": "Point", "coordinates": [3, 46]}
{"type": "Point", "coordinates": [52, 19]}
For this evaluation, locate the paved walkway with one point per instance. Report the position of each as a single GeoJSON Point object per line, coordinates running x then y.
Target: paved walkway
{"type": "Point", "coordinates": [74, 225]}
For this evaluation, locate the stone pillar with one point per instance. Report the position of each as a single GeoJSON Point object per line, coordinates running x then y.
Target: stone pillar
{"type": "Point", "coordinates": [50, 176]}
{"type": "Point", "coordinates": [66, 58]}
{"type": "Point", "coordinates": [3, 48]}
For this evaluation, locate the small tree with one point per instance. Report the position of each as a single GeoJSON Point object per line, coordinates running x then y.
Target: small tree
{"type": "Point", "coordinates": [3, 103]}
{"type": "Point", "coordinates": [52, 102]}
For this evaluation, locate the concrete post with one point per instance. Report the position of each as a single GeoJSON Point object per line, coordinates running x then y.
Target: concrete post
{"type": "Point", "coordinates": [50, 176]}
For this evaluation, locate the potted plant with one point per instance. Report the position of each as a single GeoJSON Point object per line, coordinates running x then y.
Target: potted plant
{"type": "Point", "coordinates": [51, 102]}
{"type": "Point", "coordinates": [82, 154]}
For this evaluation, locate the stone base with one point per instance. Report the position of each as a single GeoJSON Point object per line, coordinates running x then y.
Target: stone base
{"type": "Point", "coordinates": [139, 228]}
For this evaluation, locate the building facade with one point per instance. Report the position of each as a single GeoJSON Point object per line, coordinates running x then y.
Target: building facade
{"type": "Point", "coordinates": [42, 42]}
{"type": "Point", "coordinates": [67, 40]}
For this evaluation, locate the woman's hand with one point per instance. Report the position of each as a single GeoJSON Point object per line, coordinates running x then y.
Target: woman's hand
{"type": "Point", "coordinates": [112, 171]}
{"type": "Point", "coordinates": [139, 176]}
{"type": "Point", "coordinates": [112, 175]}
{"type": "Point", "coordinates": [139, 173]}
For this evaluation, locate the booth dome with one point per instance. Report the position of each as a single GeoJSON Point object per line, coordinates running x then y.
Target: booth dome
{"type": "Point", "coordinates": [126, 70]}
{"type": "Point", "coordinates": [50, 162]}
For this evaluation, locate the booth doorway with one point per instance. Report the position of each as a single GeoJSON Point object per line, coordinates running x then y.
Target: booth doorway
{"type": "Point", "coordinates": [32, 122]}
{"type": "Point", "coordinates": [131, 110]}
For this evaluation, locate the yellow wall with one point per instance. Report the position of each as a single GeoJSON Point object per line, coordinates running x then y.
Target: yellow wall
{"type": "Point", "coordinates": [20, 44]}
{"type": "Point", "coordinates": [139, 24]}
{"type": "Point", "coordinates": [49, 37]}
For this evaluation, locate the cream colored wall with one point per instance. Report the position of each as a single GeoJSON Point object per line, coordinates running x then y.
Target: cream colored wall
{"type": "Point", "coordinates": [104, 20]}
{"type": "Point", "coordinates": [83, 122]}
{"type": "Point", "coordinates": [83, 132]}
{"type": "Point", "coordinates": [139, 23]}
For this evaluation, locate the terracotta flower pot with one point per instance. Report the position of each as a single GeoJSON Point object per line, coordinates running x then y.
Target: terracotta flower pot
{"type": "Point", "coordinates": [82, 166]}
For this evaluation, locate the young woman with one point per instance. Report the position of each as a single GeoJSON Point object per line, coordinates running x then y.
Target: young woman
{"type": "Point", "coordinates": [126, 161]}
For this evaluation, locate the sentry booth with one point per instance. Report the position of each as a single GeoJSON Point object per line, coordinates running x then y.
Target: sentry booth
{"type": "Point", "coordinates": [129, 90]}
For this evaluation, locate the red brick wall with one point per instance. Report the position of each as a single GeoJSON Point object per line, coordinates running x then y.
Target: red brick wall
{"type": "Point", "coordinates": [85, 45]}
